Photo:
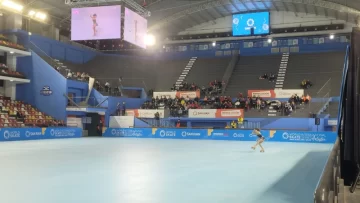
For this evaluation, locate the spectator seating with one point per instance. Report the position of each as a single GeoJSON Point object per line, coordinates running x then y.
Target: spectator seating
{"type": "Point", "coordinates": [205, 70]}
{"type": "Point", "coordinates": [4, 41]}
{"type": "Point", "coordinates": [18, 114]}
{"type": "Point", "coordinates": [5, 71]}
{"type": "Point", "coordinates": [247, 72]}
{"type": "Point", "coordinates": [159, 75]}
{"type": "Point", "coordinates": [318, 68]}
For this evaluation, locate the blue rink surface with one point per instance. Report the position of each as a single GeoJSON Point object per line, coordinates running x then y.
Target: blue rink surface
{"type": "Point", "coordinates": [113, 170]}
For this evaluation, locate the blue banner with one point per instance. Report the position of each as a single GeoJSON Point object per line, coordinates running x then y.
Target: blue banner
{"type": "Point", "coordinates": [226, 134]}
{"type": "Point", "coordinates": [16, 134]}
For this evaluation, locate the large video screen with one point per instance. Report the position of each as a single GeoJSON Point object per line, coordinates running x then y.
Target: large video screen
{"type": "Point", "coordinates": [135, 28]}
{"type": "Point", "coordinates": [93, 23]}
{"type": "Point", "coordinates": [242, 23]}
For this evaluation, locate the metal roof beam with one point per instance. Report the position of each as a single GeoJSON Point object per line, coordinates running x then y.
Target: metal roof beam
{"type": "Point", "coordinates": [236, 8]}
{"type": "Point", "coordinates": [215, 3]}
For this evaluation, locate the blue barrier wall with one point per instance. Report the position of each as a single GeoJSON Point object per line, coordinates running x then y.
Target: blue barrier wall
{"type": "Point", "coordinates": [211, 134]}
{"type": "Point", "coordinates": [140, 124]}
{"type": "Point", "coordinates": [98, 98]}
{"type": "Point", "coordinates": [62, 51]}
{"type": "Point", "coordinates": [17, 134]}
{"type": "Point", "coordinates": [42, 75]}
{"type": "Point", "coordinates": [78, 89]}
{"type": "Point", "coordinates": [302, 124]}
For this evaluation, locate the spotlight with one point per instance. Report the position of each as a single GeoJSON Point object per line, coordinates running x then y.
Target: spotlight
{"type": "Point", "coordinates": [11, 80]}
{"type": "Point", "coordinates": [12, 5]}
{"type": "Point", "coordinates": [331, 36]}
{"type": "Point", "coordinates": [150, 40]}
{"type": "Point", "coordinates": [31, 13]}
{"type": "Point", "coordinates": [269, 40]}
{"type": "Point", "coordinates": [11, 52]}
{"type": "Point", "coordinates": [214, 44]}
{"type": "Point", "coordinates": [30, 33]}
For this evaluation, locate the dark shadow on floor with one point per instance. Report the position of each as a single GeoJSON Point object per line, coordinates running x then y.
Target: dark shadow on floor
{"type": "Point", "coordinates": [298, 185]}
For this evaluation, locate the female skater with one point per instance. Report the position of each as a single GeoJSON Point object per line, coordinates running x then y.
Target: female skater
{"type": "Point", "coordinates": [93, 17]}
{"type": "Point", "coordinates": [260, 139]}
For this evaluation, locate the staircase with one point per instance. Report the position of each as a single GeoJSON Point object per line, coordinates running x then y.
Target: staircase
{"type": "Point", "coordinates": [282, 71]}
{"type": "Point", "coordinates": [280, 79]}
{"type": "Point", "coordinates": [186, 71]}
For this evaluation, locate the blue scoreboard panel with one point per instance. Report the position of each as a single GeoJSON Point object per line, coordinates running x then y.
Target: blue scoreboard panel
{"type": "Point", "coordinates": [243, 22]}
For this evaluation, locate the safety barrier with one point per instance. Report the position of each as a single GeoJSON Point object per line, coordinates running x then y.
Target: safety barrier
{"type": "Point", "coordinates": [226, 134]}
{"type": "Point", "coordinates": [16, 134]}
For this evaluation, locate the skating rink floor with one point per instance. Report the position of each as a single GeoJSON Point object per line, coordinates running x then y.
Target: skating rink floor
{"type": "Point", "coordinates": [130, 170]}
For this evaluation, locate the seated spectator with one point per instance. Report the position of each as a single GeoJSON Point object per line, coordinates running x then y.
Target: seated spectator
{"type": "Point", "coordinates": [178, 124]}
{"type": "Point", "coordinates": [233, 124]}
{"type": "Point", "coordinates": [272, 78]}
{"type": "Point", "coordinates": [264, 77]}
{"type": "Point", "coordinates": [306, 84]}
{"type": "Point", "coordinates": [69, 75]}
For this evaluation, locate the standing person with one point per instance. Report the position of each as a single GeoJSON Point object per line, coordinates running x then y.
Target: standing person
{"type": "Point", "coordinates": [260, 139]}
{"type": "Point", "coordinates": [157, 119]}
{"type": "Point", "coordinates": [93, 17]}
{"type": "Point", "coordinates": [123, 109]}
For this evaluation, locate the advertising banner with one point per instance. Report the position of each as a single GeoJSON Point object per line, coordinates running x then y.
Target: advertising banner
{"type": "Point", "coordinates": [277, 93]}
{"type": "Point", "coordinates": [145, 113]}
{"type": "Point", "coordinates": [16, 134]}
{"type": "Point", "coordinates": [171, 95]}
{"type": "Point", "coordinates": [216, 113]}
{"type": "Point", "coordinates": [179, 94]}
{"type": "Point", "coordinates": [223, 134]}
{"type": "Point", "coordinates": [186, 94]}
{"type": "Point", "coordinates": [121, 122]}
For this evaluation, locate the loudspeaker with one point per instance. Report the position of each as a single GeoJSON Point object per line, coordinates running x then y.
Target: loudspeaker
{"type": "Point", "coordinates": [317, 121]}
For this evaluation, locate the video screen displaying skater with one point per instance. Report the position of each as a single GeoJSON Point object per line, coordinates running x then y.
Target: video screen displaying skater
{"type": "Point", "coordinates": [135, 28]}
{"type": "Point", "coordinates": [94, 23]}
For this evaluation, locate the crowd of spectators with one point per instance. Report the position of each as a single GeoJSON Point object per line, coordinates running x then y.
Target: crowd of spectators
{"type": "Point", "coordinates": [180, 106]}
{"type": "Point", "coordinates": [214, 87]}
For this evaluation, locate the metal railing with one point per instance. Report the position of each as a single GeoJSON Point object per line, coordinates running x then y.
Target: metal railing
{"type": "Point", "coordinates": [327, 187]}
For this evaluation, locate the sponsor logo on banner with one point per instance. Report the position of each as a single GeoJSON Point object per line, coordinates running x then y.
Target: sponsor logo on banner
{"type": "Point", "coordinates": [219, 134]}
{"type": "Point", "coordinates": [167, 133]}
{"type": "Point", "coordinates": [202, 113]}
{"type": "Point", "coordinates": [288, 93]}
{"type": "Point", "coordinates": [126, 133]}
{"type": "Point", "coordinates": [31, 134]}
{"type": "Point", "coordinates": [190, 134]}
{"type": "Point", "coordinates": [230, 113]}
{"type": "Point", "coordinates": [8, 134]}
{"type": "Point", "coordinates": [145, 113]}
{"type": "Point", "coordinates": [304, 137]}
{"type": "Point", "coordinates": [164, 94]}
{"type": "Point", "coordinates": [238, 135]}
{"type": "Point", "coordinates": [263, 94]}
{"type": "Point", "coordinates": [46, 91]}
{"type": "Point", "coordinates": [275, 93]}
{"type": "Point", "coordinates": [63, 132]}
{"type": "Point", "coordinates": [191, 95]}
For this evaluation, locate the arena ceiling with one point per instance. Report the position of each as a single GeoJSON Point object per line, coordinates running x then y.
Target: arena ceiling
{"type": "Point", "coordinates": [169, 17]}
